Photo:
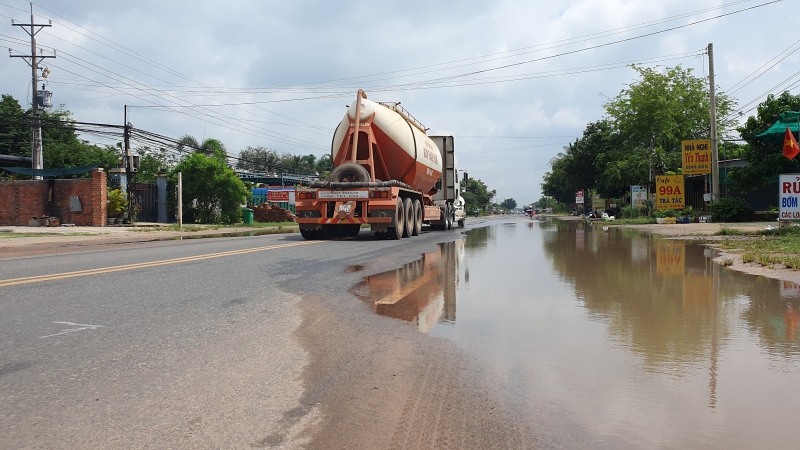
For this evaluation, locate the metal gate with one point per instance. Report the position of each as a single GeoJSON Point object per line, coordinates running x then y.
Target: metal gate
{"type": "Point", "coordinates": [144, 202]}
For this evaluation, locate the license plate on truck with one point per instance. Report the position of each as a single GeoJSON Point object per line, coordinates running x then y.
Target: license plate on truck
{"type": "Point", "coordinates": [343, 194]}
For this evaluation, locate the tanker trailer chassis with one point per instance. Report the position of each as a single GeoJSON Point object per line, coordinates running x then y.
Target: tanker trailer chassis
{"type": "Point", "coordinates": [376, 141]}
{"type": "Point", "coordinates": [392, 211]}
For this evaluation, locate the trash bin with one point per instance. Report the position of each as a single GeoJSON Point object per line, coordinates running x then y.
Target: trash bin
{"type": "Point", "coordinates": [247, 216]}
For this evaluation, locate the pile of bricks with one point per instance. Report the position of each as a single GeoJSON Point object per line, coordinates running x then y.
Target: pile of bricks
{"type": "Point", "coordinates": [271, 213]}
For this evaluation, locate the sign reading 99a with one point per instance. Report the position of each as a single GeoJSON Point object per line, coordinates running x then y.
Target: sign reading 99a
{"type": "Point", "coordinates": [669, 192]}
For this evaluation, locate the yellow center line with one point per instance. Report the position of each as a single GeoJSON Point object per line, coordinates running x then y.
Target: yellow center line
{"type": "Point", "coordinates": [406, 290]}
{"type": "Point", "coordinates": [83, 273]}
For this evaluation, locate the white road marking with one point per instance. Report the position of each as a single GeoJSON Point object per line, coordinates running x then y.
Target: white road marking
{"type": "Point", "coordinates": [71, 330]}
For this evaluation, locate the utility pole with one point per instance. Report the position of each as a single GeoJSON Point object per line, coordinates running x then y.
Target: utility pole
{"type": "Point", "coordinates": [713, 110]}
{"type": "Point", "coordinates": [36, 130]}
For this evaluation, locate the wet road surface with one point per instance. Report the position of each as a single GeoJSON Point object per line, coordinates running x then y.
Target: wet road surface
{"type": "Point", "coordinates": [515, 334]}
{"type": "Point", "coordinates": [605, 338]}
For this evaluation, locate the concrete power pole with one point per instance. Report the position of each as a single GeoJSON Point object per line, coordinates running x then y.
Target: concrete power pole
{"type": "Point", "coordinates": [36, 130]}
{"type": "Point", "coordinates": [715, 194]}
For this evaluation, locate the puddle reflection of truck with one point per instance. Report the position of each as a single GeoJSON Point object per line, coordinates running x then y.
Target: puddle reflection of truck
{"type": "Point", "coordinates": [423, 291]}
{"type": "Point", "coordinates": [388, 173]}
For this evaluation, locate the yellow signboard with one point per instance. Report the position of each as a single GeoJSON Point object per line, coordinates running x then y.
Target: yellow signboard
{"type": "Point", "coordinates": [669, 192]}
{"type": "Point", "coordinates": [598, 203]}
{"type": "Point", "coordinates": [696, 157]}
{"type": "Point", "coordinates": [670, 257]}
{"type": "Point", "coordinates": [698, 292]}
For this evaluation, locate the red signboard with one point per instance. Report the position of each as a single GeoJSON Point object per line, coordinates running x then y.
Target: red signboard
{"type": "Point", "coordinates": [278, 196]}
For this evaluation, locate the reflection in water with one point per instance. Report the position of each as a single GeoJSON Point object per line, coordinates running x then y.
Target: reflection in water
{"type": "Point", "coordinates": [623, 339]}
{"type": "Point", "coordinates": [424, 291]}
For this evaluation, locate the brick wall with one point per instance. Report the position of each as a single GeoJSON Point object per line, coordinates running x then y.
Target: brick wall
{"type": "Point", "coordinates": [20, 201]}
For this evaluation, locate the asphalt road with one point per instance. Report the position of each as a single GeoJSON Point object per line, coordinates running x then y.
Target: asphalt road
{"type": "Point", "coordinates": [231, 343]}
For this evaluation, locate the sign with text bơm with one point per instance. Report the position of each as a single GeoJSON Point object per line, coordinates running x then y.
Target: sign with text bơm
{"type": "Point", "coordinates": [789, 196]}
{"type": "Point", "coordinates": [669, 192]}
{"type": "Point", "coordinates": [696, 157]}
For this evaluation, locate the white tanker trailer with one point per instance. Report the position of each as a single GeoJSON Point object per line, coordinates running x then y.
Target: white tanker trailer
{"type": "Point", "coordinates": [388, 173]}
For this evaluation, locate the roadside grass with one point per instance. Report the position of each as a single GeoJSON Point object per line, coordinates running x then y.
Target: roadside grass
{"type": "Point", "coordinates": [780, 246]}
{"type": "Point", "coordinates": [634, 221]}
{"type": "Point", "coordinates": [725, 231]}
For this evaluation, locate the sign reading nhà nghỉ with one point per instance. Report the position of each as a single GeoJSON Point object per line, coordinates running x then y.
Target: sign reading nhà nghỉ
{"type": "Point", "coordinates": [788, 195]}
{"type": "Point", "coordinates": [278, 196]}
{"type": "Point", "coordinates": [696, 157]}
{"type": "Point", "coordinates": [669, 192]}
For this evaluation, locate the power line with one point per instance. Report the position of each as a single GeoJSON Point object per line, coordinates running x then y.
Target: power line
{"type": "Point", "coordinates": [113, 45]}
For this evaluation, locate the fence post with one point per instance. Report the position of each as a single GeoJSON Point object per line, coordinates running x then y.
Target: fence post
{"type": "Point", "coordinates": [161, 183]}
{"type": "Point", "coordinates": [180, 200]}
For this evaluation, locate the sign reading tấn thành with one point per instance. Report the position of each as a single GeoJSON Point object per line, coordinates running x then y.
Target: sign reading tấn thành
{"type": "Point", "coordinates": [278, 196]}
{"type": "Point", "coordinates": [696, 157]}
{"type": "Point", "coordinates": [669, 192]}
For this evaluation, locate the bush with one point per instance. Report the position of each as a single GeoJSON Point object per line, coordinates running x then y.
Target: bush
{"type": "Point", "coordinates": [212, 193]}
{"type": "Point", "coordinates": [730, 208]}
{"type": "Point", "coordinates": [630, 212]}
{"type": "Point", "coordinates": [666, 213]}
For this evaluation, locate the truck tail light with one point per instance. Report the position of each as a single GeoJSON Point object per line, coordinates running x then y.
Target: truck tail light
{"type": "Point", "coordinates": [307, 195]}
{"type": "Point", "coordinates": [379, 194]}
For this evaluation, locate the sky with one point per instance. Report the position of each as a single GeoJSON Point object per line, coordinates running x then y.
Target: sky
{"type": "Point", "coordinates": [513, 81]}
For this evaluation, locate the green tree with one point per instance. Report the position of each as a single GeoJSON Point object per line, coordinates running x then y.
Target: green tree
{"type": "Point", "coordinates": [212, 193]}
{"type": "Point", "coordinates": [153, 162]}
{"type": "Point", "coordinates": [660, 109]}
{"type": "Point", "coordinates": [209, 147]}
{"type": "Point", "coordinates": [578, 166]}
{"type": "Point", "coordinates": [765, 160]}
{"type": "Point", "coordinates": [509, 203]}
{"type": "Point", "coordinates": [258, 159]}
{"type": "Point", "coordinates": [62, 147]}
{"type": "Point", "coordinates": [61, 144]}
{"type": "Point", "coordinates": [324, 166]}
{"type": "Point", "coordinates": [476, 194]}
{"type": "Point", "coordinates": [15, 128]}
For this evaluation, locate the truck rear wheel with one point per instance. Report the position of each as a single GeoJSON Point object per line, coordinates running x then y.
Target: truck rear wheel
{"type": "Point", "coordinates": [307, 234]}
{"type": "Point", "coordinates": [408, 211]}
{"type": "Point", "coordinates": [448, 217]}
{"type": "Point", "coordinates": [397, 231]}
{"type": "Point", "coordinates": [416, 206]}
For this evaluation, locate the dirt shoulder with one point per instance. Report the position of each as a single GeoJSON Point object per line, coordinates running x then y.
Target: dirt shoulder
{"type": "Point", "coordinates": [18, 242]}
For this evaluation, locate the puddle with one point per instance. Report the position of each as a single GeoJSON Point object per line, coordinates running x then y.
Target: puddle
{"type": "Point", "coordinates": [643, 342]}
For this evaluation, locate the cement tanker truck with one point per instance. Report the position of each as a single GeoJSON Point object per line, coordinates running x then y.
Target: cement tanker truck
{"type": "Point", "coordinates": [388, 173]}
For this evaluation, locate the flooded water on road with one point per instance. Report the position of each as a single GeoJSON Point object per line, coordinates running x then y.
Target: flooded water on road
{"type": "Point", "coordinates": [610, 338]}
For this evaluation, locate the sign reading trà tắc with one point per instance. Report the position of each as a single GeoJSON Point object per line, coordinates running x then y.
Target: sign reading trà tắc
{"type": "Point", "coordinates": [788, 193]}
{"type": "Point", "coordinates": [669, 192]}
{"type": "Point", "coordinates": [696, 157]}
